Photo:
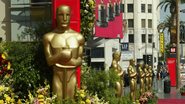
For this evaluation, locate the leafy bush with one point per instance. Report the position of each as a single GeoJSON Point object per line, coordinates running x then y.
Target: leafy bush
{"type": "Point", "coordinates": [87, 12]}
{"type": "Point", "coordinates": [182, 89]}
{"type": "Point", "coordinates": [28, 63]}
{"type": "Point", "coordinates": [102, 83]}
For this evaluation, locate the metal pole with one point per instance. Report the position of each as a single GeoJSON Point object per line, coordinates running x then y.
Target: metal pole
{"type": "Point", "coordinates": [153, 44]}
{"type": "Point", "coordinates": [146, 61]}
{"type": "Point", "coordinates": [178, 49]}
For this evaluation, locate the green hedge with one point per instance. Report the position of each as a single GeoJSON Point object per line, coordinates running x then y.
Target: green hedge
{"type": "Point", "coordinates": [30, 69]}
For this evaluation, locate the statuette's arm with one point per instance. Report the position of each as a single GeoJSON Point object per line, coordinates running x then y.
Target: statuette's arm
{"type": "Point", "coordinates": [131, 73]}
{"type": "Point", "coordinates": [64, 55]}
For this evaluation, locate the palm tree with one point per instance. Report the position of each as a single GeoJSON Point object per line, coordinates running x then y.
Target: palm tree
{"type": "Point", "coordinates": [165, 25]}
{"type": "Point", "coordinates": [171, 21]}
{"type": "Point", "coordinates": [171, 5]}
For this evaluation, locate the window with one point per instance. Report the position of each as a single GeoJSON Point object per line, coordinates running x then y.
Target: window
{"type": "Point", "coordinates": [97, 52]}
{"type": "Point", "coordinates": [39, 2]}
{"type": "Point", "coordinates": [40, 10]}
{"type": "Point", "coordinates": [153, 44]}
{"type": "Point", "coordinates": [36, 1]}
{"type": "Point", "coordinates": [150, 38]}
{"type": "Point", "coordinates": [130, 23]}
{"type": "Point", "coordinates": [149, 23]}
{"type": "Point", "coordinates": [143, 23]}
{"type": "Point", "coordinates": [149, 8]}
{"type": "Point", "coordinates": [122, 7]}
{"type": "Point", "coordinates": [142, 8]}
{"type": "Point", "coordinates": [143, 38]}
{"type": "Point", "coordinates": [131, 38]}
{"type": "Point", "coordinates": [130, 7]}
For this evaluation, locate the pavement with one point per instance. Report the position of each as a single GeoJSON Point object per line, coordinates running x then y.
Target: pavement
{"type": "Point", "coordinates": [174, 94]}
{"type": "Point", "coordinates": [158, 87]}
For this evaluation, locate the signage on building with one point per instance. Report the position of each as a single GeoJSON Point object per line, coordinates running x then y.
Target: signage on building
{"type": "Point", "coordinates": [173, 50]}
{"type": "Point", "coordinates": [161, 37]}
{"type": "Point", "coordinates": [127, 55]}
{"type": "Point", "coordinates": [124, 46]}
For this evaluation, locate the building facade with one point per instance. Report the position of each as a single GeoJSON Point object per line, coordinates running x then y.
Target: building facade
{"type": "Point", "coordinates": [142, 18]}
{"type": "Point", "coordinates": [5, 24]}
{"type": "Point", "coordinates": [17, 16]}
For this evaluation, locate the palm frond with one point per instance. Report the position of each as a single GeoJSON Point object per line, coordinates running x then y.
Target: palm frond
{"type": "Point", "coordinates": [182, 1]}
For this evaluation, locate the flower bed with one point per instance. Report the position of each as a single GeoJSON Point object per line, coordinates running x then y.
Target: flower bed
{"type": "Point", "coordinates": [26, 72]}
{"type": "Point", "coordinates": [148, 98]}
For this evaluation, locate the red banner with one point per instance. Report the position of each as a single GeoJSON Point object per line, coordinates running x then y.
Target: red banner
{"type": "Point", "coordinates": [109, 22]}
{"type": "Point", "coordinates": [171, 62]}
{"type": "Point", "coordinates": [74, 23]}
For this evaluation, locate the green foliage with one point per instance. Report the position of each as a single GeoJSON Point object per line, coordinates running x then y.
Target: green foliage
{"type": "Point", "coordinates": [182, 89]}
{"type": "Point", "coordinates": [28, 34]}
{"type": "Point", "coordinates": [29, 66]}
{"type": "Point", "coordinates": [103, 83]}
{"type": "Point", "coordinates": [168, 4]}
{"type": "Point", "coordinates": [167, 50]}
{"type": "Point", "coordinates": [42, 28]}
{"type": "Point", "coordinates": [87, 11]}
{"type": "Point", "coordinates": [36, 32]}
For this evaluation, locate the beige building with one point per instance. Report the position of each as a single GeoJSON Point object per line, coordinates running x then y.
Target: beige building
{"type": "Point", "coordinates": [5, 24]}
{"type": "Point", "coordinates": [18, 15]}
{"type": "Point", "coordinates": [142, 19]}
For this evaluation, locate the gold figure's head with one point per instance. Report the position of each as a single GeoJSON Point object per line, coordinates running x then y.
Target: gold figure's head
{"type": "Point", "coordinates": [146, 65]}
{"type": "Point", "coordinates": [117, 55]}
{"type": "Point", "coordinates": [132, 62]}
{"type": "Point", "coordinates": [141, 64]}
{"type": "Point", "coordinates": [63, 16]}
{"type": "Point", "coordinates": [149, 67]}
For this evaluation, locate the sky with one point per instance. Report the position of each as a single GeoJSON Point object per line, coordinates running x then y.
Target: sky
{"type": "Point", "coordinates": [181, 15]}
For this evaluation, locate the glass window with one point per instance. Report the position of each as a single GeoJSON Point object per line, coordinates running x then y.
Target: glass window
{"type": "Point", "coordinates": [97, 52]}
{"type": "Point", "coordinates": [149, 8]}
{"type": "Point", "coordinates": [131, 38]}
{"type": "Point", "coordinates": [143, 38]}
{"type": "Point", "coordinates": [130, 7]}
{"type": "Point", "coordinates": [143, 8]}
{"type": "Point", "coordinates": [122, 7]}
{"type": "Point", "coordinates": [130, 23]}
{"type": "Point", "coordinates": [150, 38]}
{"type": "Point", "coordinates": [143, 23]}
{"type": "Point", "coordinates": [36, 1]}
{"type": "Point", "coordinates": [40, 10]}
{"type": "Point", "coordinates": [149, 23]}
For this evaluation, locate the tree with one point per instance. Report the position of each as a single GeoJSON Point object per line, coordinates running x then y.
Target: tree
{"type": "Point", "coordinates": [87, 11]}
{"type": "Point", "coordinates": [165, 25]}
{"type": "Point", "coordinates": [170, 22]}
{"type": "Point", "coordinates": [171, 5]}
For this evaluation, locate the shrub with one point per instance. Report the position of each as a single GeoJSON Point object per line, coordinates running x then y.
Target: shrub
{"type": "Point", "coordinates": [29, 65]}
{"type": "Point", "coordinates": [182, 89]}
{"type": "Point", "coordinates": [102, 83]}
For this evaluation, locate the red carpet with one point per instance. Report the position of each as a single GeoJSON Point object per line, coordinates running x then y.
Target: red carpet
{"type": "Point", "coordinates": [171, 101]}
